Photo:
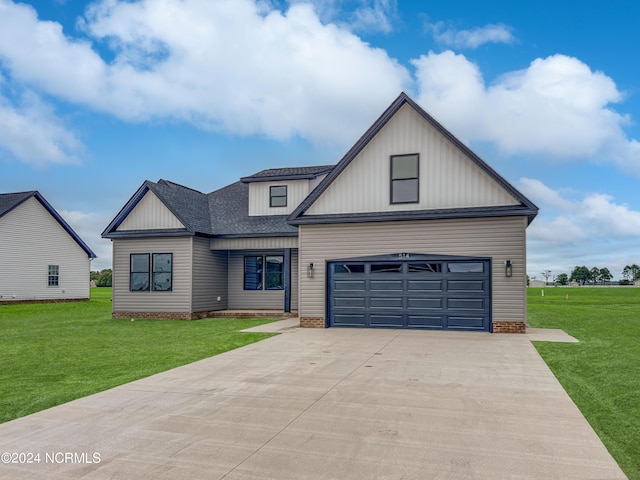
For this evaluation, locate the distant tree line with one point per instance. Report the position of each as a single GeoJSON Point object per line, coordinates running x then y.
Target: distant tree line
{"type": "Point", "coordinates": [584, 275]}
{"type": "Point", "coordinates": [103, 278]}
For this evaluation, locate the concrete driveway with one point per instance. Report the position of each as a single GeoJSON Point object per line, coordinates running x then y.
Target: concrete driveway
{"type": "Point", "coordinates": [326, 404]}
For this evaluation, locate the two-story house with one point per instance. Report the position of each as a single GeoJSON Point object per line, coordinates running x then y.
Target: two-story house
{"type": "Point", "coordinates": [410, 229]}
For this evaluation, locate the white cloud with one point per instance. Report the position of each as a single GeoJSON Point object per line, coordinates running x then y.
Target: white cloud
{"type": "Point", "coordinates": [539, 193]}
{"type": "Point", "coordinates": [365, 16]}
{"type": "Point", "coordinates": [228, 65]}
{"type": "Point", "coordinates": [474, 38]}
{"type": "Point", "coordinates": [32, 132]}
{"type": "Point", "coordinates": [556, 107]}
{"type": "Point", "coordinates": [89, 226]}
{"type": "Point", "coordinates": [596, 214]}
{"type": "Point", "coordinates": [374, 16]}
{"type": "Point", "coordinates": [593, 230]}
{"type": "Point", "coordinates": [610, 219]}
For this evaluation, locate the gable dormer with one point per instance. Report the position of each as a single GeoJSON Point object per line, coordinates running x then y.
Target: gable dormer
{"type": "Point", "coordinates": [278, 191]}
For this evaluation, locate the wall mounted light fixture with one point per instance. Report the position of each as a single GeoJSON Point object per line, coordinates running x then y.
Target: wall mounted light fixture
{"type": "Point", "coordinates": [310, 270]}
{"type": "Point", "coordinates": [508, 268]}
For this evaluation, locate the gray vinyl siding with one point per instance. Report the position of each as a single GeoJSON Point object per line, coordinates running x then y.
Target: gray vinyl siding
{"type": "Point", "coordinates": [178, 300]}
{"type": "Point", "coordinates": [250, 243]}
{"type": "Point", "coordinates": [31, 240]}
{"type": "Point", "coordinates": [209, 277]}
{"type": "Point", "coordinates": [241, 299]}
{"type": "Point", "coordinates": [499, 238]}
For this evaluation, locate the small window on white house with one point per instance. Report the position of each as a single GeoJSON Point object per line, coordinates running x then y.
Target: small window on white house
{"type": "Point", "coordinates": [404, 178]}
{"type": "Point", "coordinates": [54, 276]}
{"type": "Point", "coordinates": [278, 196]}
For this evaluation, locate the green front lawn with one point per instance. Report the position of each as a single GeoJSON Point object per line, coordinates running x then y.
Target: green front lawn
{"type": "Point", "coordinates": [56, 352]}
{"type": "Point", "coordinates": [602, 372]}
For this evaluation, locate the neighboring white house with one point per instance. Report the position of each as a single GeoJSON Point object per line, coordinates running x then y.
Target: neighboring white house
{"type": "Point", "coordinates": [410, 229]}
{"type": "Point", "coordinates": [42, 258]}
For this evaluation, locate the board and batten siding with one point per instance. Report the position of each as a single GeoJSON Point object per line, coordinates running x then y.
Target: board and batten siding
{"type": "Point", "coordinates": [209, 277]}
{"type": "Point", "coordinates": [241, 299]}
{"type": "Point", "coordinates": [501, 238]}
{"type": "Point", "coordinates": [150, 214]}
{"type": "Point", "coordinates": [297, 190]}
{"type": "Point", "coordinates": [447, 177]}
{"type": "Point", "coordinates": [178, 300]}
{"type": "Point", "coordinates": [31, 240]}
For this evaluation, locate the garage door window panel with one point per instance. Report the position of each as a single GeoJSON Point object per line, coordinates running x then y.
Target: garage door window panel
{"type": "Point", "coordinates": [386, 268]}
{"type": "Point", "coordinates": [466, 267]}
{"type": "Point", "coordinates": [425, 268]}
{"type": "Point", "coordinates": [348, 268]}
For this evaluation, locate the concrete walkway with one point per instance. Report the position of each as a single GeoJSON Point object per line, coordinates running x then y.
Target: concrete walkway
{"type": "Point", "coordinates": [326, 404]}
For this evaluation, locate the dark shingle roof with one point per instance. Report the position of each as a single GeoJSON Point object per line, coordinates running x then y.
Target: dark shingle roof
{"type": "Point", "coordinates": [229, 208]}
{"type": "Point", "coordinates": [9, 201]}
{"type": "Point", "coordinates": [190, 206]}
{"type": "Point", "coordinates": [222, 212]}
{"type": "Point", "coordinates": [289, 173]}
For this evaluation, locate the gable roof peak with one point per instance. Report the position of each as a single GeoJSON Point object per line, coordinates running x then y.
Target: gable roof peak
{"type": "Point", "coordinates": [376, 127]}
{"type": "Point", "coordinates": [10, 201]}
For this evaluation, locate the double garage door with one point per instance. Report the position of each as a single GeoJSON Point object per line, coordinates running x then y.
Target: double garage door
{"type": "Point", "coordinates": [410, 291]}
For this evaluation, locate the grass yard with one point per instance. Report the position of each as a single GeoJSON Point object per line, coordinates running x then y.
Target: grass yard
{"type": "Point", "coordinates": [602, 372]}
{"type": "Point", "coordinates": [56, 352]}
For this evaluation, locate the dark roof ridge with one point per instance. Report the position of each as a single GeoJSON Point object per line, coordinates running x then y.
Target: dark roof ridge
{"type": "Point", "coordinates": [287, 173]}
{"type": "Point", "coordinates": [169, 183]}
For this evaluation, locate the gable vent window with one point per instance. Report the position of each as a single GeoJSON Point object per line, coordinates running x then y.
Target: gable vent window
{"type": "Point", "coordinates": [278, 196]}
{"type": "Point", "coordinates": [404, 178]}
{"type": "Point", "coordinates": [54, 276]}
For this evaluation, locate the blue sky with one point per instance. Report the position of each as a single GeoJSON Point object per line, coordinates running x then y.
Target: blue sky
{"type": "Point", "coordinates": [96, 97]}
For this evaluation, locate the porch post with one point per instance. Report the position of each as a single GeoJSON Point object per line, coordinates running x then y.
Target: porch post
{"type": "Point", "coordinates": [287, 280]}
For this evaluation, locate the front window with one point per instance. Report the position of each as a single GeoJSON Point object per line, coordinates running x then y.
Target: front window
{"type": "Point", "coordinates": [278, 196]}
{"type": "Point", "coordinates": [274, 279]}
{"type": "Point", "coordinates": [253, 273]}
{"type": "Point", "coordinates": [54, 276]}
{"type": "Point", "coordinates": [404, 178]}
{"type": "Point", "coordinates": [139, 279]}
{"type": "Point", "coordinates": [162, 272]}
{"type": "Point", "coordinates": [151, 272]}
{"type": "Point", "coordinates": [264, 272]}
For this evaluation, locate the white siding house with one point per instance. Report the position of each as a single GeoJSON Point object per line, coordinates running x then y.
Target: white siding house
{"type": "Point", "coordinates": [42, 258]}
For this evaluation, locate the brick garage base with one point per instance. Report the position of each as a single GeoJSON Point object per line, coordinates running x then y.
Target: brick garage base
{"type": "Point", "coordinates": [509, 327]}
{"type": "Point", "coordinates": [201, 315]}
{"type": "Point", "coordinates": [312, 322]}
{"type": "Point", "coordinates": [48, 300]}
{"type": "Point", "coordinates": [158, 315]}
